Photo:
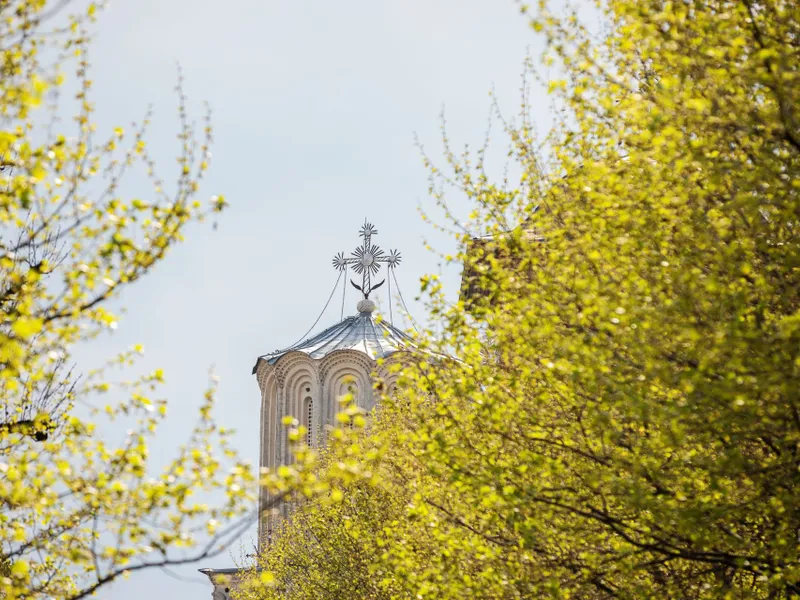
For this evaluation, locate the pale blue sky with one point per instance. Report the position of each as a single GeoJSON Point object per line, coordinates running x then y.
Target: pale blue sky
{"type": "Point", "coordinates": [315, 105]}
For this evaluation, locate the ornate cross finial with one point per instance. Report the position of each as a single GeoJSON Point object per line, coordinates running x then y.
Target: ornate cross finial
{"type": "Point", "coordinates": [366, 260]}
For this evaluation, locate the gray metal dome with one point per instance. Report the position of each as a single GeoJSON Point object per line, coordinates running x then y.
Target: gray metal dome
{"type": "Point", "coordinates": [375, 338]}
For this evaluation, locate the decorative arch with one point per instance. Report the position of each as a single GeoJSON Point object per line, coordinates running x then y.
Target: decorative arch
{"type": "Point", "coordinates": [268, 382]}
{"type": "Point", "coordinates": [385, 371]}
{"type": "Point", "coordinates": [270, 396]}
{"type": "Point", "coordinates": [289, 362]}
{"type": "Point", "coordinates": [263, 371]}
{"type": "Point", "coordinates": [337, 367]}
{"type": "Point", "coordinates": [300, 382]}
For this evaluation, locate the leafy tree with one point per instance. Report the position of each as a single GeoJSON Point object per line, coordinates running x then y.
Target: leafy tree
{"type": "Point", "coordinates": [623, 419]}
{"type": "Point", "coordinates": [76, 510]}
{"type": "Point", "coordinates": [327, 548]}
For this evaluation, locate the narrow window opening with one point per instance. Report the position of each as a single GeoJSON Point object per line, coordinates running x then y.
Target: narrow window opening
{"type": "Point", "coordinates": [309, 420]}
{"type": "Point", "coordinates": [353, 392]}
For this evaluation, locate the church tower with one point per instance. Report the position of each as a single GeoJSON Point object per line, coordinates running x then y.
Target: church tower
{"type": "Point", "coordinates": [306, 380]}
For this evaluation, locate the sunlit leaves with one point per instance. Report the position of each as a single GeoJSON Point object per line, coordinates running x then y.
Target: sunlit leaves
{"type": "Point", "coordinates": [622, 419]}
{"type": "Point", "coordinates": [80, 507]}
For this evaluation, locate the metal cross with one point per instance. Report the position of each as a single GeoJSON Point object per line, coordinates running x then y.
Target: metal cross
{"type": "Point", "coordinates": [366, 260]}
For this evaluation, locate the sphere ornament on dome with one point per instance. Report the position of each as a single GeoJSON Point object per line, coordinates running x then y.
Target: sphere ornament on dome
{"type": "Point", "coordinates": [365, 306]}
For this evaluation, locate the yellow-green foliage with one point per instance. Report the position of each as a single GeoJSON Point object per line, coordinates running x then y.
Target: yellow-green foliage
{"type": "Point", "coordinates": [77, 510]}
{"type": "Point", "coordinates": [624, 417]}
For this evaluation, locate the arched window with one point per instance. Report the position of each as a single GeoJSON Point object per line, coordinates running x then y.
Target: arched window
{"type": "Point", "coordinates": [348, 387]}
{"type": "Point", "coordinates": [309, 420]}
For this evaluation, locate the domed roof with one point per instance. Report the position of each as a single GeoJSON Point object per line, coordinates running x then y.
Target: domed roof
{"type": "Point", "coordinates": [374, 337]}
